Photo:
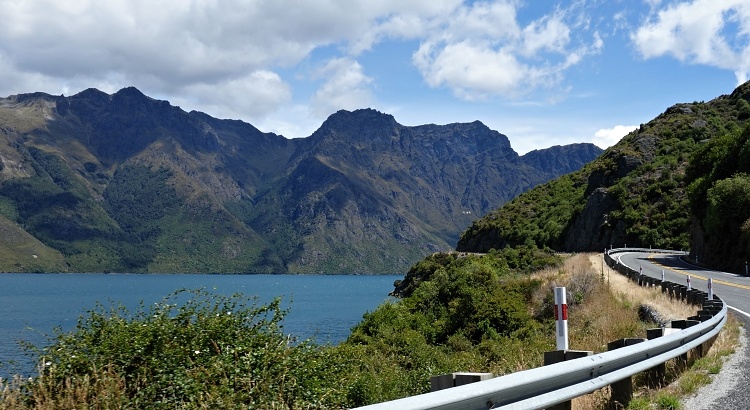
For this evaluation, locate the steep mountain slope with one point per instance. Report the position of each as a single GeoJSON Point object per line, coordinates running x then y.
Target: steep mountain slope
{"type": "Point", "coordinates": [634, 194]}
{"type": "Point", "coordinates": [124, 182]}
{"type": "Point", "coordinates": [362, 181]}
{"type": "Point", "coordinates": [21, 252]}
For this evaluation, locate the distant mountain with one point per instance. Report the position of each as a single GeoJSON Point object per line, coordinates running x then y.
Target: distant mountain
{"type": "Point", "coordinates": [124, 182]}
{"type": "Point", "coordinates": [679, 181]}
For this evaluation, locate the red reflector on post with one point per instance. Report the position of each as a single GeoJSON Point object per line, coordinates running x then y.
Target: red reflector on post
{"type": "Point", "coordinates": [561, 309]}
{"type": "Point", "coordinates": [561, 317]}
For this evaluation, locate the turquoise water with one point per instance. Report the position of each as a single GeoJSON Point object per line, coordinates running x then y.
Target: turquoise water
{"type": "Point", "coordinates": [322, 307]}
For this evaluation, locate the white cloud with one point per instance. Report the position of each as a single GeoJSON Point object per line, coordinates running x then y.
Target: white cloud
{"type": "Point", "coordinates": [546, 34]}
{"type": "Point", "coordinates": [245, 59]}
{"type": "Point", "coordinates": [227, 58]}
{"type": "Point", "coordinates": [292, 121]}
{"type": "Point", "coordinates": [606, 137]}
{"type": "Point", "coordinates": [190, 47]}
{"type": "Point", "coordinates": [346, 87]}
{"type": "Point", "coordinates": [483, 51]}
{"type": "Point", "coordinates": [694, 32]}
{"type": "Point", "coordinates": [256, 95]}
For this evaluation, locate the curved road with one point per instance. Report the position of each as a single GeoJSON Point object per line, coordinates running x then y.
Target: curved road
{"type": "Point", "coordinates": [734, 290]}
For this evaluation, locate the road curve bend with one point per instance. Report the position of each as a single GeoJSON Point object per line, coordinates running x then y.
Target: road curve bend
{"type": "Point", "coordinates": [729, 388]}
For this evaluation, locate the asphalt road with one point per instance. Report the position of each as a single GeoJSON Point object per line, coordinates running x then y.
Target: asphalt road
{"type": "Point", "coordinates": [733, 289]}
{"type": "Point", "coordinates": [730, 388]}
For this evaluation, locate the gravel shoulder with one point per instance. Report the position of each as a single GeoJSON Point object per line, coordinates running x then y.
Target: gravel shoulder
{"type": "Point", "coordinates": [728, 390]}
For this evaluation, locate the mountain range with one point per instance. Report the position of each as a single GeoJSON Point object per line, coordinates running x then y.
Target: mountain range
{"type": "Point", "coordinates": [122, 182]}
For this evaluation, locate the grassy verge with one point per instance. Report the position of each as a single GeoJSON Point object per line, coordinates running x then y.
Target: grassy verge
{"type": "Point", "coordinates": [699, 373]}
{"type": "Point", "coordinates": [680, 384]}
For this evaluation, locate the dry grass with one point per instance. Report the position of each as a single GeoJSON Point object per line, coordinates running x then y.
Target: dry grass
{"type": "Point", "coordinates": [624, 288]}
{"type": "Point", "coordinates": [106, 391]}
{"type": "Point", "coordinates": [603, 307]}
{"type": "Point", "coordinates": [615, 306]}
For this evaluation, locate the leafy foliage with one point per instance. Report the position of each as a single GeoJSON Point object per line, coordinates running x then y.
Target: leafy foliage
{"type": "Point", "coordinates": [719, 193]}
{"type": "Point", "coordinates": [138, 198]}
{"type": "Point", "coordinates": [460, 312]}
{"type": "Point", "coordinates": [153, 229]}
{"type": "Point", "coordinates": [194, 347]}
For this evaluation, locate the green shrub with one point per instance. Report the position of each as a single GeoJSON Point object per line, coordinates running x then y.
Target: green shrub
{"type": "Point", "coordinates": [192, 349]}
{"type": "Point", "coordinates": [667, 401]}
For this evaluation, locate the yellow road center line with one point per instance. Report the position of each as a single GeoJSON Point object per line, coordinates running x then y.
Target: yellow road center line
{"type": "Point", "coordinates": [719, 281]}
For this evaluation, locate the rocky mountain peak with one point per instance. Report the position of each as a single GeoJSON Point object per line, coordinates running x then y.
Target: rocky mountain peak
{"type": "Point", "coordinates": [362, 124]}
{"type": "Point", "coordinates": [92, 94]}
{"type": "Point", "coordinates": [130, 92]}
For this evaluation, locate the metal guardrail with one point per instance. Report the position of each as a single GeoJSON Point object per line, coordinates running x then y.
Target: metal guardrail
{"type": "Point", "coordinates": [557, 383]}
{"type": "Point", "coordinates": [643, 250]}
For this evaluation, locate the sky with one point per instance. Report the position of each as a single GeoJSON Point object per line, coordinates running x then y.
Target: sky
{"type": "Point", "coordinates": [543, 73]}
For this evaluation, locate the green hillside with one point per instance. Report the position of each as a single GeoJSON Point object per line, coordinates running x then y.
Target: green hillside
{"type": "Point", "coordinates": [672, 183]}
{"type": "Point", "coordinates": [22, 252]}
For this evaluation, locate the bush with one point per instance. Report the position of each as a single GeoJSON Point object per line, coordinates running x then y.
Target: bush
{"type": "Point", "coordinates": [209, 350]}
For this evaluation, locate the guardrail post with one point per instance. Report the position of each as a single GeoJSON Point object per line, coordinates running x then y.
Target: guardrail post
{"type": "Point", "coordinates": [656, 375]}
{"type": "Point", "coordinates": [696, 296]}
{"type": "Point", "coordinates": [674, 291]}
{"type": "Point", "coordinates": [622, 391]}
{"type": "Point", "coordinates": [446, 381]}
{"type": "Point", "coordinates": [713, 306]}
{"type": "Point", "coordinates": [558, 356]}
{"type": "Point", "coordinates": [682, 292]}
{"type": "Point", "coordinates": [682, 360]}
{"type": "Point", "coordinates": [462, 378]}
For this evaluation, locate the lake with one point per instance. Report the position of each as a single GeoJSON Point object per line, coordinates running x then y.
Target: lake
{"type": "Point", "coordinates": [322, 307]}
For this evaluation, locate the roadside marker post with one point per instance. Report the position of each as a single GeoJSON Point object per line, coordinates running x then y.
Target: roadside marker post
{"type": "Point", "coordinates": [561, 318]}
{"type": "Point", "coordinates": [710, 289]}
{"type": "Point", "coordinates": [688, 283]}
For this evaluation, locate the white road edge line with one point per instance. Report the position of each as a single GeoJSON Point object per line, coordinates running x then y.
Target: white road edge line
{"type": "Point", "coordinates": [742, 312]}
{"type": "Point", "coordinates": [739, 311]}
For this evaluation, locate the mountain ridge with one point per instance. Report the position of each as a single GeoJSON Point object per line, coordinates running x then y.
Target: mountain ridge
{"type": "Point", "coordinates": [125, 182]}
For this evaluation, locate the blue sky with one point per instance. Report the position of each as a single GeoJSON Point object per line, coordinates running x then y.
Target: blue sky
{"type": "Point", "coordinates": [542, 73]}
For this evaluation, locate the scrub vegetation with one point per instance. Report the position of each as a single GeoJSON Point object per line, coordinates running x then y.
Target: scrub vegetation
{"type": "Point", "coordinates": [196, 349]}
{"type": "Point", "coordinates": [679, 181]}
